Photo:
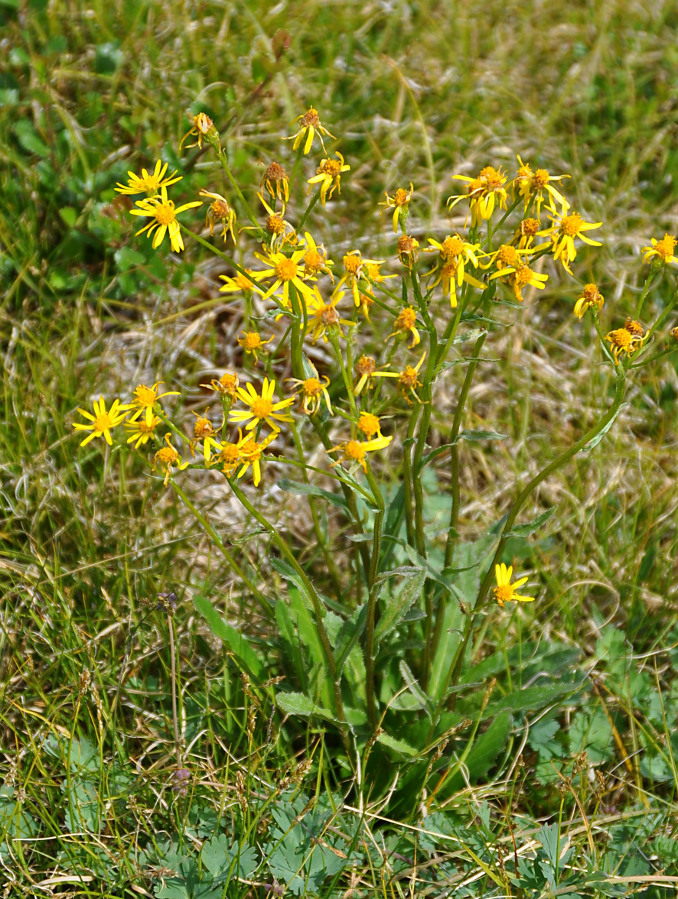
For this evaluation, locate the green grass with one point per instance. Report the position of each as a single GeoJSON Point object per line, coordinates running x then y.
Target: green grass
{"type": "Point", "coordinates": [90, 804]}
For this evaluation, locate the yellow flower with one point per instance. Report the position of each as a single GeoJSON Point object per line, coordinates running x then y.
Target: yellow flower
{"type": "Point", "coordinates": [483, 192]}
{"type": "Point", "coordinates": [165, 214]}
{"type": "Point", "coordinates": [323, 318]}
{"type": "Point", "coordinates": [366, 367]}
{"type": "Point", "coordinates": [239, 283]}
{"type": "Point", "coordinates": [526, 233]}
{"type": "Point", "coordinates": [203, 126]}
{"type": "Point", "coordinates": [229, 456]}
{"type": "Point", "coordinates": [505, 591]}
{"type": "Point", "coordinates": [313, 391]}
{"type": "Point", "coordinates": [399, 202]}
{"type": "Point", "coordinates": [357, 269]}
{"type": "Point", "coordinates": [369, 425]}
{"type": "Point", "coordinates": [406, 322]}
{"type": "Point", "coordinates": [285, 270]}
{"type": "Point", "coordinates": [661, 250]}
{"type": "Point", "coordinates": [328, 176]}
{"type": "Point", "coordinates": [145, 399]}
{"type": "Point", "coordinates": [166, 458]}
{"type": "Point", "coordinates": [261, 407]}
{"type": "Point", "coordinates": [148, 184]}
{"type": "Point", "coordinates": [589, 298]}
{"type": "Point", "coordinates": [102, 421]}
{"type": "Point", "coordinates": [519, 277]}
{"type": "Point", "coordinates": [531, 186]}
{"type": "Point", "coordinates": [251, 342]}
{"type": "Point", "coordinates": [315, 259]}
{"type": "Point", "coordinates": [280, 231]}
{"type": "Point", "coordinates": [227, 385]}
{"type": "Point", "coordinates": [408, 379]}
{"type": "Point", "coordinates": [276, 182]}
{"type": "Point", "coordinates": [309, 126]}
{"type": "Point", "coordinates": [219, 211]}
{"type": "Point", "coordinates": [564, 231]}
{"type": "Point", "coordinates": [625, 341]}
{"type": "Point", "coordinates": [204, 430]}
{"type": "Point", "coordinates": [141, 431]}
{"type": "Point", "coordinates": [251, 451]}
{"type": "Point", "coordinates": [407, 250]}
{"type": "Point", "coordinates": [450, 268]}
{"type": "Point", "coordinates": [355, 451]}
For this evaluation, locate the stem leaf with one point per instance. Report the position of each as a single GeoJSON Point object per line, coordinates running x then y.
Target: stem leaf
{"type": "Point", "coordinates": [234, 640]}
{"type": "Point", "coordinates": [524, 530]}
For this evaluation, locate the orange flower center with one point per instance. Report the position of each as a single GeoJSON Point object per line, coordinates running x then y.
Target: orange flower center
{"type": "Point", "coordinates": [164, 213]}
{"type": "Point", "coordinates": [369, 424]}
{"type": "Point", "coordinates": [503, 593]}
{"type": "Point", "coordinates": [366, 365]}
{"type": "Point", "coordinates": [352, 263]}
{"type": "Point", "coordinates": [251, 341]}
{"type": "Point", "coordinates": [354, 450]}
{"type": "Point", "coordinates": [540, 179]}
{"type": "Point", "coordinates": [401, 197]}
{"type": "Point", "coordinates": [275, 225]}
{"type": "Point", "coordinates": [493, 179]}
{"type": "Point", "coordinates": [529, 227]}
{"type": "Point", "coordinates": [621, 338]}
{"type": "Point", "coordinates": [310, 118]}
{"type": "Point", "coordinates": [571, 225]}
{"type": "Point", "coordinates": [313, 259]}
{"type": "Point", "coordinates": [229, 383]}
{"type": "Point", "coordinates": [230, 453]}
{"type": "Point", "coordinates": [145, 396]}
{"type": "Point", "coordinates": [312, 387]}
{"type": "Point", "coordinates": [167, 455]}
{"type": "Point", "coordinates": [286, 269]}
{"type": "Point", "coordinates": [203, 428]}
{"type": "Point", "coordinates": [103, 422]}
{"type": "Point", "coordinates": [665, 247]}
{"type": "Point", "coordinates": [275, 172]}
{"type": "Point", "coordinates": [331, 167]}
{"type": "Point", "coordinates": [406, 319]}
{"type": "Point", "coordinates": [508, 256]}
{"type": "Point", "coordinates": [220, 209]}
{"type": "Point", "coordinates": [328, 315]}
{"type": "Point", "coordinates": [243, 282]}
{"type": "Point", "coordinates": [262, 408]}
{"type": "Point", "coordinates": [522, 276]}
{"type": "Point", "coordinates": [409, 378]}
{"type": "Point", "coordinates": [143, 428]}
{"type": "Point", "coordinates": [203, 122]}
{"type": "Point", "coordinates": [452, 246]}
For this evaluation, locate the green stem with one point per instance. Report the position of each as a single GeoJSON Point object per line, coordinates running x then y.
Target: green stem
{"type": "Point", "coordinates": [523, 496]}
{"type": "Point", "coordinates": [224, 164]}
{"type": "Point", "coordinates": [316, 602]}
{"type": "Point", "coordinates": [372, 597]}
{"type": "Point", "coordinates": [310, 206]}
{"type": "Point", "coordinates": [646, 289]}
{"type": "Point", "coordinates": [214, 536]}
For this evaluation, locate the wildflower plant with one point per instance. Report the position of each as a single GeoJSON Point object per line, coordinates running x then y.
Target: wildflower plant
{"type": "Point", "coordinates": [388, 608]}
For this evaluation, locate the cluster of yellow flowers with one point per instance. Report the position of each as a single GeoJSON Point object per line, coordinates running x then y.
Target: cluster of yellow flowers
{"type": "Point", "coordinates": [294, 272]}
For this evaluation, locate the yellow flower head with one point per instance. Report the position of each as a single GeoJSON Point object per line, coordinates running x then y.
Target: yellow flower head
{"type": "Point", "coordinates": [532, 186]}
{"type": "Point", "coordinates": [251, 342]}
{"type": "Point", "coordinates": [228, 457]}
{"type": "Point", "coordinates": [400, 203]}
{"type": "Point", "coordinates": [251, 451]}
{"type": "Point", "coordinates": [101, 423]}
{"type": "Point", "coordinates": [164, 215]}
{"type": "Point", "coordinates": [662, 250]}
{"type": "Point", "coordinates": [239, 283]}
{"type": "Point", "coordinates": [526, 233]}
{"type": "Point", "coordinates": [328, 176]}
{"type": "Point", "coordinates": [519, 277]}
{"type": "Point", "coordinates": [167, 458]}
{"type": "Point", "coordinates": [309, 126]}
{"type": "Point", "coordinates": [313, 391]}
{"type": "Point", "coordinates": [625, 341]}
{"type": "Point", "coordinates": [279, 230]}
{"type": "Point", "coordinates": [359, 272]}
{"type": "Point", "coordinates": [227, 385]}
{"type": "Point", "coordinates": [505, 591]}
{"type": "Point", "coordinates": [564, 231]}
{"type": "Point", "coordinates": [140, 432]}
{"type": "Point", "coordinates": [219, 211]}
{"type": "Point", "coordinates": [148, 184]}
{"type": "Point", "coordinates": [366, 367]}
{"type": "Point", "coordinates": [406, 323]}
{"type": "Point", "coordinates": [277, 182]}
{"type": "Point", "coordinates": [450, 268]}
{"type": "Point", "coordinates": [589, 298]}
{"type": "Point", "coordinates": [203, 127]}
{"type": "Point", "coordinates": [145, 399]}
{"type": "Point", "coordinates": [355, 451]}
{"type": "Point", "coordinates": [407, 250]}
{"type": "Point", "coordinates": [286, 271]}
{"type": "Point", "coordinates": [315, 259]}
{"type": "Point", "coordinates": [261, 407]}
{"type": "Point", "coordinates": [204, 430]}
{"type": "Point", "coordinates": [484, 193]}
{"type": "Point", "coordinates": [369, 425]}
{"type": "Point", "coordinates": [323, 318]}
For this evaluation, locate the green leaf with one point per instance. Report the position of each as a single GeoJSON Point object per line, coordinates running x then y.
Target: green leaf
{"type": "Point", "coordinates": [301, 489]}
{"type": "Point", "coordinates": [300, 704]}
{"type": "Point", "coordinates": [488, 746]}
{"type": "Point", "coordinates": [29, 138]}
{"type": "Point", "coordinates": [398, 746]}
{"type": "Point", "coordinates": [69, 215]}
{"type": "Point", "coordinates": [234, 640]}
{"type": "Point", "coordinates": [349, 634]}
{"type": "Point", "coordinates": [293, 577]}
{"type": "Point", "coordinates": [397, 606]}
{"type": "Point", "coordinates": [414, 688]}
{"type": "Point", "coordinates": [596, 440]}
{"type": "Point", "coordinates": [225, 859]}
{"type": "Point", "coordinates": [524, 530]}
